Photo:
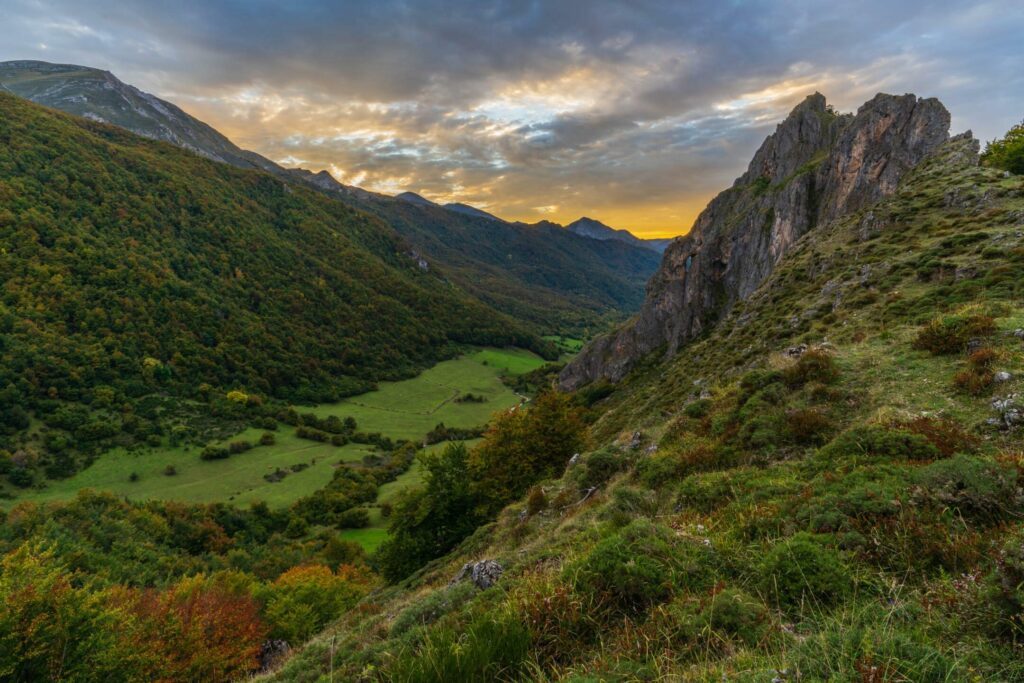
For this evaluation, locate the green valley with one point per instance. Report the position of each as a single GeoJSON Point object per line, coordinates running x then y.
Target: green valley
{"type": "Point", "coordinates": [402, 410]}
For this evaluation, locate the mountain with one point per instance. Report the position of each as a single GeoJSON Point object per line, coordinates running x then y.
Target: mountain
{"type": "Point", "coordinates": [413, 198]}
{"type": "Point", "coordinates": [816, 167]}
{"type": "Point", "coordinates": [99, 96]}
{"type": "Point", "coordinates": [138, 267]}
{"type": "Point", "coordinates": [554, 282]}
{"type": "Point", "coordinates": [825, 485]}
{"type": "Point", "coordinates": [588, 227]}
{"type": "Point", "coordinates": [472, 211]}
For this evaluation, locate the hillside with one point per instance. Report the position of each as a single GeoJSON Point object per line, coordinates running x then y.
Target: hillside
{"type": "Point", "coordinates": [541, 273]}
{"type": "Point", "coordinates": [556, 281]}
{"type": "Point", "coordinates": [134, 272]}
{"type": "Point", "coordinates": [825, 485]}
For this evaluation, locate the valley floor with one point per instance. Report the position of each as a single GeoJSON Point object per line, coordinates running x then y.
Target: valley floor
{"type": "Point", "coordinates": [399, 410]}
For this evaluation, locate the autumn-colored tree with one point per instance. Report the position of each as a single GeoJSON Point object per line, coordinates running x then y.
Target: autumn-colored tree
{"type": "Point", "coordinates": [50, 629]}
{"type": "Point", "coordinates": [304, 599]}
{"type": "Point", "coordinates": [524, 446]}
{"type": "Point", "coordinates": [200, 629]}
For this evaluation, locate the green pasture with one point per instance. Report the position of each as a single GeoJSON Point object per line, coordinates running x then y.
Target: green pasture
{"type": "Point", "coordinates": [401, 410]}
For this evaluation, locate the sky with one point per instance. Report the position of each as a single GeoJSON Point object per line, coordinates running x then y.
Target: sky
{"type": "Point", "coordinates": [633, 112]}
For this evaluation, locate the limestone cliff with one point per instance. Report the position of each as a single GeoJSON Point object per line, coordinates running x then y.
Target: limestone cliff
{"type": "Point", "coordinates": [816, 166]}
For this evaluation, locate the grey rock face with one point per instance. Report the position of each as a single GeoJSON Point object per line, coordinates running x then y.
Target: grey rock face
{"type": "Point", "coordinates": [817, 166]}
{"type": "Point", "coordinates": [483, 574]}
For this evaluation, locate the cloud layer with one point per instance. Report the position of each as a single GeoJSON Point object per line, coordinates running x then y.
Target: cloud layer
{"type": "Point", "coordinates": [635, 111]}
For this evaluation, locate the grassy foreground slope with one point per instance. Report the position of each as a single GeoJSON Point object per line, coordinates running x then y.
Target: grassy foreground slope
{"type": "Point", "coordinates": [133, 270]}
{"type": "Point", "coordinates": [826, 487]}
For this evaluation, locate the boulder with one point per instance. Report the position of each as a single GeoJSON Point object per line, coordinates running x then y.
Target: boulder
{"type": "Point", "coordinates": [483, 574]}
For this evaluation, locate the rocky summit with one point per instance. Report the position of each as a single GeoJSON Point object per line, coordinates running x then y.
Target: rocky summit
{"type": "Point", "coordinates": [816, 167]}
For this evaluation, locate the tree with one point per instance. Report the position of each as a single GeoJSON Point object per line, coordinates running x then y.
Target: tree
{"type": "Point", "coordinates": [428, 522]}
{"type": "Point", "coordinates": [305, 599]}
{"type": "Point", "coordinates": [523, 447]}
{"type": "Point", "coordinates": [1007, 153]}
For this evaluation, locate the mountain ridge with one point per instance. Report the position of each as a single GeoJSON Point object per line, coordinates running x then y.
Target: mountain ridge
{"type": "Point", "coordinates": [554, 281]}
{"type": "Point", "coordinates": [816, 166]}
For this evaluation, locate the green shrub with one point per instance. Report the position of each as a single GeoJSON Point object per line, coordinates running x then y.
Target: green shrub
{"type": "Point", "coordinates": [632, 569]}
{"type": "Point", "coordinates": [800, 570]}
{"type": "Point", "coordinates": [979, 489]}
{"type": "Point", "coordinates": [355, 518]}
{"type": "Point", "coordinates": [214, 453]}
{"type": "Point", "coordinates": [951, 333]}
{"type": "Point", "coordinates": [598, 467]}
{"type": "Point", "coordinates": [725, 617]}
{"type": "Point", "coordinates": [698, 409]}
{"type": "Point", "coordinates": [488, 649]}
{"type": "Point", "coordinates": [872, 443]}
{"type": "Point", "coordinates": [433, 606]}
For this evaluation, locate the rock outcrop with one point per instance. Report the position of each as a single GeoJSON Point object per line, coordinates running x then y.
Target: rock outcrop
{"type": "Point", "coordinates": [817, 166]}
{"type": "Point", "coordinates": [483, 574]}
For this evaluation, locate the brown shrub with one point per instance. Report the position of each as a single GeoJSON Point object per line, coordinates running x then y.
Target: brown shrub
{"type": "Point", "coordinates": [815, 365]}
{"type": "Point", "coordinates": [946, 435]}
{"type": "Point", "coordinates": [808, 426]}
{"type": "Point", "coordinates": [951, 333]}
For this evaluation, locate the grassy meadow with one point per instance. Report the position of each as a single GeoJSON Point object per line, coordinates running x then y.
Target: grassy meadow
{"type": "Point", "coordinates": [401, 410]}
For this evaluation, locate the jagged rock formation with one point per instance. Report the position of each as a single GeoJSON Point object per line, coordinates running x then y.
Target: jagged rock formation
{"type": "Point", "coordinates": [816, 166]}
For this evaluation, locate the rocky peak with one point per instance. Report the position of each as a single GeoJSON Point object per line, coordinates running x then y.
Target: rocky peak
{"type": "Point", "coordinates": [815, 167]}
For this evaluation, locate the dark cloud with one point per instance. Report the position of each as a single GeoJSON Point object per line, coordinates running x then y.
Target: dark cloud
{"type": "Point", "coordinates": [634, 110]}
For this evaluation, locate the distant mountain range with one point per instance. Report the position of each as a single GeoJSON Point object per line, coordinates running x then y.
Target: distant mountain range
{"type": "Point", "coordinates": [555, 278]}
{"type": "Point", "coordinates": [584, 227]}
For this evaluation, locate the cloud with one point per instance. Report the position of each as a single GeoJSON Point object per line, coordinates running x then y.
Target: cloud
{"type": "Point", "coordinates": [635, 112]}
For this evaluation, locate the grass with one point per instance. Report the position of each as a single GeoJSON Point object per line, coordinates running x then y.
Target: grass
{"type": "Point", "coordinates": [411, 408]}
{"type": "Point", "coordinates": [401, 410]}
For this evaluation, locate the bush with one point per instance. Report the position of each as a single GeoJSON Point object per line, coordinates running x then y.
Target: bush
{"type": "Point", "coordinates": [815, 365]}
{"type": "Point", "coordinates": [214, 453]}
{"type": "Point", "coordinates": [631, 570]}
{"type": "Point", "coordinates": [598, 467]}
{"type": "Point", "coordinates": [801, 570]}
{"type": "Point", "coordinates": [872, 443]}
{"type": "Point", "coordinates": [240, 446]}
{"type": "Point", "coordinates": [536, 501]}
{"type": "Point", "coordinates": [170, 471]}
{"type": "Point", "coordinates": [356, 518]}
{"type": "Point", "coordinates": [951, 333]}
{"type": "Point", "coordinates": [698, 409]}
{"type": "Point", "coordinates": [977, 378]}
{"type": "Point", "coordinates": [729, 615]}
{"type": "Point", "coordinates": [979, 489]}
{"type": "Point", "coordinates": [267, 439]}
{"type": "Point", "coordinates": [1007, 583]}
{"type": "Point", "coordinates": [808, 426]}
